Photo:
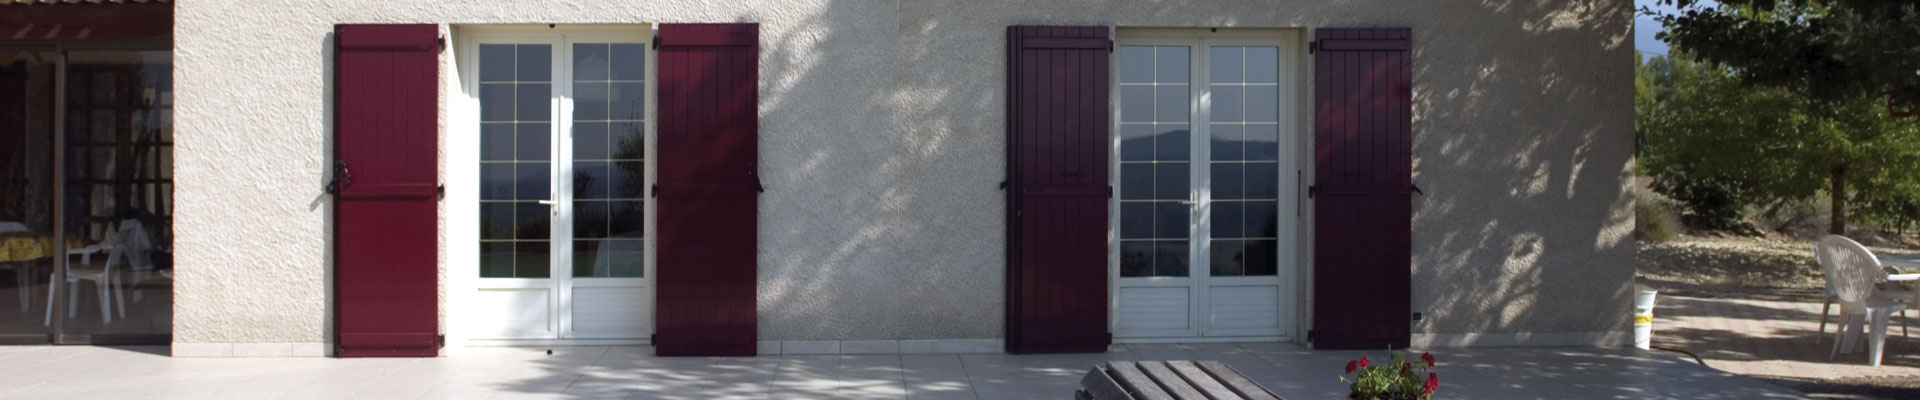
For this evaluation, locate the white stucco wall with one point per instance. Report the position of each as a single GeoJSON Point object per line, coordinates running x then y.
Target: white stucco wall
{"type": "Point", "coordinates": [882, 133]}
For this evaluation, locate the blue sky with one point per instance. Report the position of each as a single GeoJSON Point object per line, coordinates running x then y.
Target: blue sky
{"type": "Point", "coordinates": [1644, 28]}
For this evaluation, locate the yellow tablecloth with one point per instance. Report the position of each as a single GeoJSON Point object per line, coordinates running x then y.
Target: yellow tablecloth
{"type": "Point", "coordinates": [31, 247]}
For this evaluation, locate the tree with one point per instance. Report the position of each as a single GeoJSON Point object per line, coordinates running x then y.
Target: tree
{"type": "Point", "coordinates": [1722, 146]}
{"type": "Point", "coordinates": [1839, 54]}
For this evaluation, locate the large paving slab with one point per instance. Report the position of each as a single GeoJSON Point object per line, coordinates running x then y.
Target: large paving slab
{"type": "Point", "coordinates": [52, 372]}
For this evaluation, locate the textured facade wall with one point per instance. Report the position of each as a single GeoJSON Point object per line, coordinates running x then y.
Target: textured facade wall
{"type": "Point", "coordinates": [882, 142]}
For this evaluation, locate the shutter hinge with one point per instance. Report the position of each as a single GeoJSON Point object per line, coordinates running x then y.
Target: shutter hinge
{"type": "Point", "coordinates": [1311, 189]}
{"type": "Point", "coordinates": [1312, 46]}
{"type": "Point", "coordinates": [1310, 335]}
{"type": "Point", "coordinates": [440, 193]}
{"type": "Point", "coordinates": [656, 190]}
{"type": "Point", "coordinates": [1109, 46]}
{"type": "Point", "coordinates": [440, 340]}
{"type": "Point", "coordinates": [656, 40]}
{"type": "Point", "coordinates": [1109, 191]}
{"type": "Point", "coordinates": [1003, 185]}
{"type": "Point", "coordinates": [442, 41]}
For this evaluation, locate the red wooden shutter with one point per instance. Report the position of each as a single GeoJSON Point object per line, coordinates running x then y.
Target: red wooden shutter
{"type": "Point", "coordinates": [707, 191]}
{"type": "Point", "coordinates": [1363, 176]}
{"type": "Point", "coordinates": [1057, 127]}
{"type": "Point", "coordinates": [386, 108]}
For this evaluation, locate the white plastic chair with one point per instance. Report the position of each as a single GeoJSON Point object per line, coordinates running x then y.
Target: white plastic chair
{"type": "Point", "coordinates": [1827, 308]}
{"type": "Point", "coordinates": [19, 267]}
{"type": "Point", "coordinates": [134, 251]}
{"type": "Point", "coordinates": [1853, 272]}
{"type": "Point", "coordinates": [109, 288]}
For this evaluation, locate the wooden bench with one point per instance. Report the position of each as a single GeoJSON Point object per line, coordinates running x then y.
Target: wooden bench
{"type": "Point", "coordinates": [1169, 380]}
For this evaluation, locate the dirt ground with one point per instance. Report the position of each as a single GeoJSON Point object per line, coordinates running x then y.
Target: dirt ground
{"type": "Point", "coordinates": [1737, 272]}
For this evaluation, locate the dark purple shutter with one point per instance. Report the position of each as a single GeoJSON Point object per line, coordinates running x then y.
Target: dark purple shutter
{"type": "Point", "coordinates": [1363, 176]}
{"type": "Point", "coordinates": [706, 197]}
{"type": "Point", "coordinates": [1057, 193]}
{"type": "Point", "coordinates": [386, 113]}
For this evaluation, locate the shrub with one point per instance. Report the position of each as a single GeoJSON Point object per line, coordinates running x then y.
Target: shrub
{"type": "Point", "coordinates": [1654, 215]}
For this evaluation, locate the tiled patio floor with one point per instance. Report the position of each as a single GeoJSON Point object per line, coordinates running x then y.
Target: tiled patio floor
{"type": "Point", "coordinates": [633, 373]}
{"type": "Point", "coordinates": [1777, 339]}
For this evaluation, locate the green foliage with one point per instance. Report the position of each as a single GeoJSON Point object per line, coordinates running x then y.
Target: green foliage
{"type": "Point", "coordinates": [1826, 50]}
{"type": "Point", "coordinates": [1654, 216]}
{"type": "Point", "coordinates": [1722, 146]}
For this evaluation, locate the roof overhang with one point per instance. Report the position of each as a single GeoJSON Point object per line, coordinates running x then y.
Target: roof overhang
{"type": "Point", "coordinates": [81, 21]}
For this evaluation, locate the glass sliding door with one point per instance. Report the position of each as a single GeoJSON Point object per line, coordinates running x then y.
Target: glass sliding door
{"type": "Point", "coordinates": [86, 197]}
{"type": "Point", "coordinates": [27, 252]}
{"type": "Point", "coordinates": [117, 197]}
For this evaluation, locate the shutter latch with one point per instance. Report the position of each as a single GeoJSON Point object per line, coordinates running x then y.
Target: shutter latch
{"type": "Point", "coordinates": [1311, 189]}
{"type": "Point", "coordinates": [754, 172]}
{"type": "Point", "coordinates": [440, 191]}
{"type": "Point", "coordinates": [341, 177]}
{"type": "Point", "coordinates": [1416, 190]}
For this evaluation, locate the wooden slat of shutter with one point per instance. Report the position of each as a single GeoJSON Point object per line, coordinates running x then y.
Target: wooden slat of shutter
{"type": "Point", "coordinates": [1363, 176]}
{"type": "Point", "coordinates": [708, 129]}
{"type": "Point", "coordinates": [1057, 140]}
{"type": "Point", "coordinates": [386, 112]}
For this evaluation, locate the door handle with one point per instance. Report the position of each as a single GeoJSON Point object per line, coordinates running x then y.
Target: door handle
{"type": "Point", "coordinates": [548, 202]}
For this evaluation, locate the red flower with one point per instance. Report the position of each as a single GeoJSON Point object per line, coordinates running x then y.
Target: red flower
{"type": "Point", "coordinates": [1405, 366]}
{"type": "Point", "coordinates": [1433, 382]}
{"type": "Point", "coordinates": [1363, 362]}
{"type": "Point", "coordinates": [1428, 357]}
{"type": "Point", "coordinates": [1352, 365]}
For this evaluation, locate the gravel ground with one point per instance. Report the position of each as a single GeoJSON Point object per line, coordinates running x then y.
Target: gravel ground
{"type": "Point", "coordinates": [1773, 268]}
{"type": "Point", "coordinates": [1766, 268]}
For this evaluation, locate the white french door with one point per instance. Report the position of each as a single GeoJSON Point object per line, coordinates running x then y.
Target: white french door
{"type": "Point", "coordinates": [1204, 170]}
{"type": "Point", "coordinates": [565, 251]}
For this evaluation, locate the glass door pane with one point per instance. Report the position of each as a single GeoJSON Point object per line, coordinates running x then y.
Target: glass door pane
{"type": "Point", "coordinates": [609, 160]}
{"type": "Point", "coordinates": [1156, 199]}
{"type": "Point", "coordinates": [1244, 164]}
{"type": "Point", "coordinates": [27, 250]}
{"type": "Point", "coordinates": [118, 196]}
{"type": "Point", "coordinates": [516, 160]}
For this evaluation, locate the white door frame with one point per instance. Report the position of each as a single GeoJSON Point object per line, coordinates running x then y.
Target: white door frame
{"type": "Point", "coordinates": [465, 316]}
{"type": "Point", "coordinates": [1199, 41]}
